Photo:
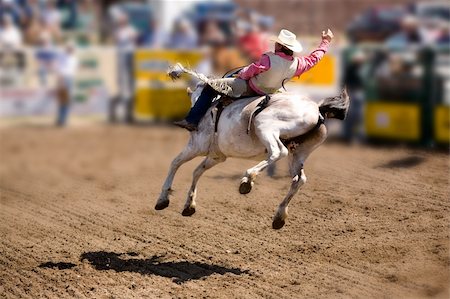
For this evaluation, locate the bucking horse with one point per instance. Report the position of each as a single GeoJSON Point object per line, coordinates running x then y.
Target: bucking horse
{"type": "Point", "coordinates": [286, 125]}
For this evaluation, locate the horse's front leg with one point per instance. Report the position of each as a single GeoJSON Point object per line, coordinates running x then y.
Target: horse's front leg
{"type": "Point", "coordinates": [186, 155]}
{"type": "Point", "coordinates": [247, 181]}
{"type": "Point", "coordinates": [298, 180]}
{"type": "Point", "coordinates": [189, 207]}
{"type": "Point", "coordinates": [276, 151]}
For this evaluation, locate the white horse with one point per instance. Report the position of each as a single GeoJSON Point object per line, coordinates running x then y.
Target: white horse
{"type": "Point", "coordinates": [291, 126]}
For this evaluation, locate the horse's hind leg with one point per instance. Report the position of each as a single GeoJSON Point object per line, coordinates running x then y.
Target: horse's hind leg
{"type": "Point", "coordinates": [276, 150]}
{"type": "Point", "coordinates": [186, 155]}
{"type": "Point", "coordinates": [189, 207]}
{"type": "Point", "coordinates": [297, 158]}
{"type": "Point", "coordinates": [298, 179]}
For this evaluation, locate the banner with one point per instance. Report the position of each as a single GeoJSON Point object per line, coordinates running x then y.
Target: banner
{"type": "Point", "coordinates": [156, 96]}
{"type": "Point", "coordinates": [393, 120]}
{"type": "Point", "coordinates": [325, 73]}
{"type": "Point", "coordinates": [26, 102]}
{"type": "Point", "coordinates": [25, 92]}
{"type": "Point", "coordinates": [442, 124]}
{"type": "Point", "coordinates": [12, 68]}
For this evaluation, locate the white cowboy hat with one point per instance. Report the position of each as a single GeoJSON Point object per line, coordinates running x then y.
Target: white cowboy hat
{"type": "Point", "coordinates": [288, 39]}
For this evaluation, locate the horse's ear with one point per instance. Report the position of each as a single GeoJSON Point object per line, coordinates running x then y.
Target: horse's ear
{"type": "Point", "coordinates": [189, 91]}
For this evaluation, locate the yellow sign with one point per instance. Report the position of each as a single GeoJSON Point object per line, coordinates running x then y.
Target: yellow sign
{"type": "Point", "coordinates": [442, 124]}
{"type": "Point", "coordinates": [157, 97]}
{"type": "Point", "coordinates": [393, 120]}
{"type": "Point", "coordinates": [161, 103]}
{"type": "Point", "coordinates": [324, 73]}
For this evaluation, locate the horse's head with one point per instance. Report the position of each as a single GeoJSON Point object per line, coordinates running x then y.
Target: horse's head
{"type": "Point", "coordinates": [335, 107]}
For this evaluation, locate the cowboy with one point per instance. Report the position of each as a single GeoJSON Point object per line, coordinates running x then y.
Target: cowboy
{"type": "Point", "coordinates": [260, 78]}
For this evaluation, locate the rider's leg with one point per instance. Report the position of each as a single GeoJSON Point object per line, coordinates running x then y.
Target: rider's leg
{"type": "Point", "coordinates": [201, 105]}
{"type": "Point", "coordinates": [233, 87]}
{"type": "Point", "coordinates": [237, 87]}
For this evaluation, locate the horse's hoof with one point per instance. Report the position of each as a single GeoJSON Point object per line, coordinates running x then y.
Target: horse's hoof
{"type": "Point", "coordinates": [189, 211]}
{"type": "Point", "coordinates": [161, 205]}
{"type": "Point", "coordinates": [278, 223]}
{"type": "Point", "coordinates": [245, 187]}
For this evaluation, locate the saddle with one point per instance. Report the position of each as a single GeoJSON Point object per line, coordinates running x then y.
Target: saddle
{"type": "Point", "coordinates": [223, 101]}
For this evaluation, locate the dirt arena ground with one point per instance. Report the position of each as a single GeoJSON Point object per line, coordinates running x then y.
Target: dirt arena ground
{"type": "Point", "coordinates": [77, 220]}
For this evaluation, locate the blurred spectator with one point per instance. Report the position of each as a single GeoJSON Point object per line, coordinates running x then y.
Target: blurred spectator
{"type": "Point", "coordinates": [212, 34]}
{"type": "Point", "coordinates": [444, 36]}
{"type": "Point", "coordinates": [34, 30]}
{"type": "Point", "coordinates": [45, 54]}
{"type": "Point", "coordinates": [409, 34]}
{"type": "Point", "coordinates": [69, 12]}
{"type": "Point", "coordinates": [353, 81]}
{"type": "Point", "coordinates": [183, 36]}
{"type": "Point", "coordinates": [153, 37]}
{"type": "Point", "coordinates": [225, 59]}
{"type": "Point", "coordinates": [266, 28]}
{"type": "Point", "coordinates": [52, 18]}
{"type": "Point", "coordinates": [10, 35]}
{"type": "Point", "coordinates": [12, 9]}
{"type": "Point", "coordinates": [66, 67]}
{"type": "Point", "coordinates": [31, 33]}
{"type": "Point", "coordinates": [88, 16]}
{"type": "Point", "coordinates": [251, 41]}
{"type": "Point", "coordinates": [125, 37]}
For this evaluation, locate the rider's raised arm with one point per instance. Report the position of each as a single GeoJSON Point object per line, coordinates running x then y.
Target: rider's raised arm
{"type": "Point", "coordinates": [307, 62]}
{"type": "Point", "coordinates": [255, 68]}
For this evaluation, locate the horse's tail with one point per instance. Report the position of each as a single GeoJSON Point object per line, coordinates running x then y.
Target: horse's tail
{"type": "Point", "coordinates": [335, 107]}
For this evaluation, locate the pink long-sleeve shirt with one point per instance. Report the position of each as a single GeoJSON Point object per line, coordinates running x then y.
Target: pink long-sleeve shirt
{"type": "Point", "coordinates": [304, 64]}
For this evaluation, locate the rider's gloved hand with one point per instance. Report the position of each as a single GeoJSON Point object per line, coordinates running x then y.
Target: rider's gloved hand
{"type": "Point", "coordinates": [328, 35]}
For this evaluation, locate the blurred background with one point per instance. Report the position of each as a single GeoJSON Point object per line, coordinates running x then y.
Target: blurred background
{"type": "Point", "coordinates": [67, 62]}
{"type": "Point", "coordinates": [86, 141]}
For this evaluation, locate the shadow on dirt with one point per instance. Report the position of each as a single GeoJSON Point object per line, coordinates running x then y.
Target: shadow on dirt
{"type": "Point", "coordinates": [227, 177]}
{"type": "Point", "coordinates": [406, 162]}
{"type": "Point", "coordinates": [59, 266]}
{"type": "Point", "coordinates": [180, 272]}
